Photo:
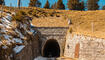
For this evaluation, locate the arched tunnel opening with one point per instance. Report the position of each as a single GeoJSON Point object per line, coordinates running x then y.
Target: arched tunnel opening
{"type": "Point", "coordinates": [51, 49]}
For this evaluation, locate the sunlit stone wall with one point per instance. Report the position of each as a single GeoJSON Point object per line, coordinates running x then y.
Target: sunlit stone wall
{"type": "Point", "coordinates": [85, 47]}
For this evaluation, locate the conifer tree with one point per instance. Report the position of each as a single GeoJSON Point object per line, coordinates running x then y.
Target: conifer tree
{"type": "Point", "coordinates": [19, 3]}
{"type": "Point", "coordinates": [54, 6]}
{"type": "Point", "coordinates": [38, 3]}
{"type": "Point", "coordinates": [103, 7]}
{"type": "Point", "coordinates": [2, 2]}
{"type": "Point", "coordinates": [93, 4]}
{"type": "Point", "coordinates": [34, 3]}
{"type": "Point", "coordinates": [47, 5]}
{"type": "Point", "coordinates": [81, 6]}
{"type": "Point", "coordinates": [75, 5]}
{"type": "Point", "coordinates": [60, 5]}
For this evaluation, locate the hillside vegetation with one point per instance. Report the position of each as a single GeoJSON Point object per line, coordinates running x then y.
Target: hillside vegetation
{"type": "Point", "coordinates": [90, 23]}
{"type": "Point", "coordinates": [82, 21]}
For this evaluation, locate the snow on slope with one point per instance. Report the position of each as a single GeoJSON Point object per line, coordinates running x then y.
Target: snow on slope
{"type": "Point", "coordinates": [43, 58]}
{"type": "Point", "coordinates": [9, 34]}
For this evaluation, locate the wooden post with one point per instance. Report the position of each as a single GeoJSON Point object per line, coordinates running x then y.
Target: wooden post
{"type": "Point", "coordinates": [10, 6]}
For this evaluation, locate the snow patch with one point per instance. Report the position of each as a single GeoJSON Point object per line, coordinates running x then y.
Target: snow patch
{"type": "Point", "coordinates": [0, 43]}
{"type": "Point", "coordinates": [4, 47]}
{"type": "Point", "coordinates": [5, 22]}
{"type": "Point", "coordinates": [17, 40]}
{"type": "Point", "coordinates": [18, 49]}
{"type": "Point", "coordinates": [8, 14]}
{"type": "Point", "coordinates": [32, 24]}
{"type": "Point", "coordinates": [43, 58]}
{"type": "Point", "coordinates": [31, 30]}
{"type": "Point", "coordinates": [8, 17]}
{"type": "Point", "coordinates": [7, 37]}
{"type": "Point", "coordinates": [1, 25]}
{"type": "Point", "coordinates": [11, 55]}
{"type": "Point", "coordinates": [3, 30]}
{"type": "Point", "coordinates": [20, 34]}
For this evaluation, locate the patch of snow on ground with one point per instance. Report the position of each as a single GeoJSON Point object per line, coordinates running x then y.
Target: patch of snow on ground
{"type": "Point", "coordinates": [40, 58]}
{"type": "Point", "coordinates": [7, 37]}
{"type": "Point", "coordinates": [43, 58]}
{"type": "Point", "coordinates": [18, 49]}
{"type": "Point", "coordinates": [3, 30]}
{"type": "Point", "coordinates": [8, 14]}
{"type": "Point", "coordinates": [32, 25]}
{"type": "Point", "coordinates": [4, 47]}
{"type": "Point", "coordinates": [17, 40]}
{"type": "Point", "coordinates": [1, 25]}
{"type": "Point", "coordinates": [23, 26]}
{"type": "Point", "coordinates": [11, 55]}
{"type": "Point", "coordinates": [5, 22]}
{"type": "Point", "coordinates": [31, 30]}
{"type": "Point", "coordinates": [20, 34]}
{"type": "Point", "coordinates": [0, 43]}
{"type": "Point", "coordinates": [8, 17]}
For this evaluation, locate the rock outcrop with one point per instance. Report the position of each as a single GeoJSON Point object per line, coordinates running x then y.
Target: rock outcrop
{"type": "Point", "coordinates": [18, 41]}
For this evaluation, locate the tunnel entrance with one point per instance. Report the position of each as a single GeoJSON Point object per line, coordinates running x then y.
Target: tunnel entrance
{"type": "Point", "coordinates": [51, 49]}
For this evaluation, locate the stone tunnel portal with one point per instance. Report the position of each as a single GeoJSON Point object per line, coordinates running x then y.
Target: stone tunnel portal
{"type": "Point", "coordinates": [51, 49]}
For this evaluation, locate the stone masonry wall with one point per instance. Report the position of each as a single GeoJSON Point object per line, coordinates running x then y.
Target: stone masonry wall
{"type": "Point", "coordinates": [85, 47]}
{"type": "Point", "coordinates": [56, 33]}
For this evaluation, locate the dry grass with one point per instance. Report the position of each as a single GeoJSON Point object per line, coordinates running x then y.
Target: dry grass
{"type": "Point", "coordinates": [50, 22]}
{"type": "Point", "coordinates": [82, 22]}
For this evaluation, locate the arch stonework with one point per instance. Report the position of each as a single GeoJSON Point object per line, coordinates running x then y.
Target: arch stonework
{"type": "Point", "coordinates": [56, 33]}
{"type": "Point", "coordinates": [49, 41]}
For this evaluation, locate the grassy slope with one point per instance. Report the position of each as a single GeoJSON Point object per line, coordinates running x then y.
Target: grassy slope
{"type": "Point", "coordinates": [82, 21]}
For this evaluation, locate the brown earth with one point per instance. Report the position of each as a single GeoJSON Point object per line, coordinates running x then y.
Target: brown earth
{"type": "Point", "coordinates": [50, 22]}
{"type": "Point", "coordinates": [82, 21]}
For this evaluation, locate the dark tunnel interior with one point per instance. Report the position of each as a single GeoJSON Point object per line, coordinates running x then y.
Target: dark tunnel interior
{"type": "Point", "coordinates": [51, 49]}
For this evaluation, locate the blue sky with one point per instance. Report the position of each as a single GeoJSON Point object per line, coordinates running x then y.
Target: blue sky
{"type": "Point", "coordinates": [26, 2]}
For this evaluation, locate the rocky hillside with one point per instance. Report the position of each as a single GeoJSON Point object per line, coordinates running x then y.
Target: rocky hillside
{"type": "Point", "coordinates": [15, 34]}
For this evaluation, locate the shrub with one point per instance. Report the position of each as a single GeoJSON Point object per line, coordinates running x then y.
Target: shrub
{"type": "Point", "coordinates": [19, 16]}
{"type": "Point", "coordinates": [30, 12]}
{"type": "Point", "coordinates": [103, 7]}
{"type": "Point", "coordinates": [70, 30]}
